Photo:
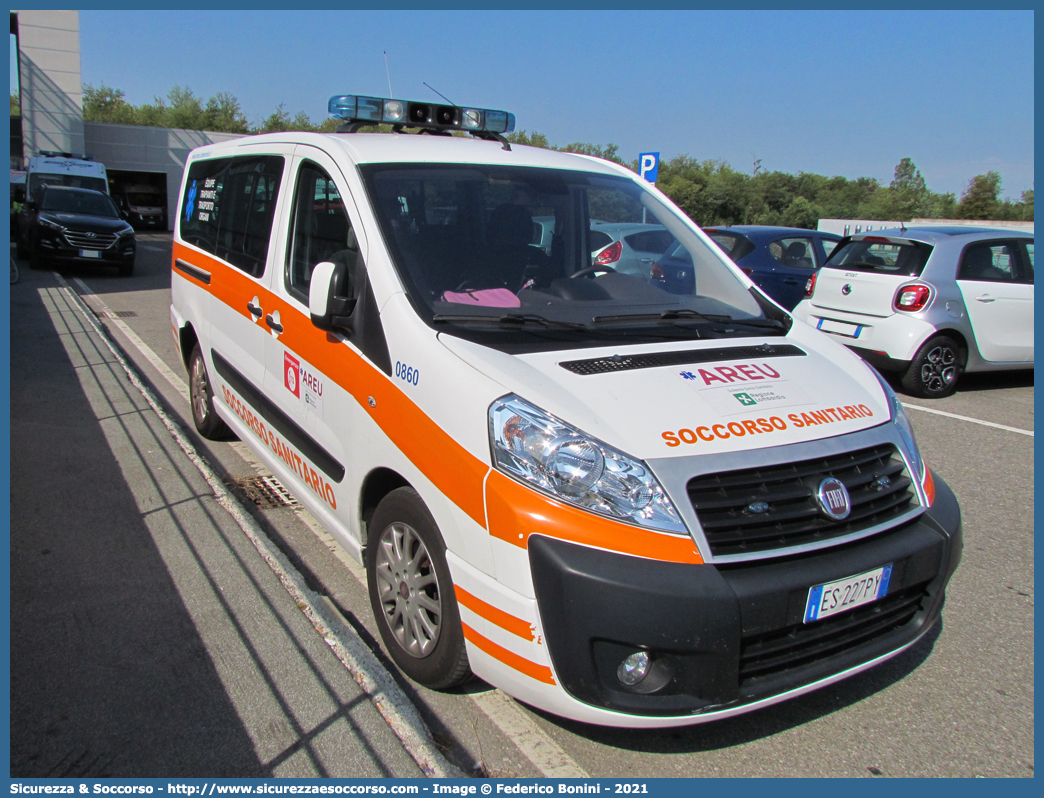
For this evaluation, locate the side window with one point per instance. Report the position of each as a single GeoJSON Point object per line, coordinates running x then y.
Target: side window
{"type": "Point", "coordinates": [991, 261]}
{"type": "Point", "coordinates": [1029, 260]}
{"type": "Point", "coordinates": [321, 231]}
{"type": "Point", "coordinates": [794, 252]}
{"type": "Point", "coordinates": [228, 207]}
{"type": "Point", "coordinates": [829, 246]}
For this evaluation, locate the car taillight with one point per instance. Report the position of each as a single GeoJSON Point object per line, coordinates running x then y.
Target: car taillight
{"type": "Point", "coordinates": [747, 270]}
{"type": "Point", "coordinates": [912, 297]}
{"type": "Point", "coordinates": [656, 271]}
{"type": "Point", "coordinates": [610, 254]}
{"type": "Point", "coordinates": [810, 285]}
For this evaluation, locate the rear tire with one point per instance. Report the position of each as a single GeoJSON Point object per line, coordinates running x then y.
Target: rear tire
{"type": "Point", "coordinates": [411, 592]}
{"type": "Point", "coordinates": [201, 397]}
{"type": "Point", "coordinates": [934, 371]}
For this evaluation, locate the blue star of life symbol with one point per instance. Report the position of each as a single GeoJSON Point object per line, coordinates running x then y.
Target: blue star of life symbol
{"type": "Point", "coordinates": [190, 202]}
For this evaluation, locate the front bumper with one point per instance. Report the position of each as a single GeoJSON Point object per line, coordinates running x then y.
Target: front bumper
{"type": "Point", "coordinates": [62, 252]}
{"type": "Point", "coordinates": [728, 636]}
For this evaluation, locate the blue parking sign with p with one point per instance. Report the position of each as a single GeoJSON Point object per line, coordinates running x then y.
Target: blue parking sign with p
{"type": "Point", "coordinates": [649, 165]}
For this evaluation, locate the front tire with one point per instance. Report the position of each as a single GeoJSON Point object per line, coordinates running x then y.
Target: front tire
{"type": "Point", "coordinates": [411, 592]}
{"type": "Point", "coordinates": [201, 397]}
{"type": "Point", "coordinates": [934, 371]}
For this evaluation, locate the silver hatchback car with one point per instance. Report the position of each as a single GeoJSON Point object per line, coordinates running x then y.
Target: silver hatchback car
{"type": "Point", "coordinates": [929, 303]}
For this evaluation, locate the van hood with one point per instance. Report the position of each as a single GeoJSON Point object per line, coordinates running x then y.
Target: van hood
{"type": "Point", "coordinates": [699, 397]}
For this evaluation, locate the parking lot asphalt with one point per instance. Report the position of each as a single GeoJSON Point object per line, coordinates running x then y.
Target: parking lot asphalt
{"type": "Point", "coordinates": [147, 636]}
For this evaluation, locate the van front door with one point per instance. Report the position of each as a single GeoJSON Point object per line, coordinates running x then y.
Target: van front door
{"type": "Point", "coordinates": [305, 366]}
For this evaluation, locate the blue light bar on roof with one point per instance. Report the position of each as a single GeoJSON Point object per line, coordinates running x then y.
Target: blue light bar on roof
{"type": "Point", "coordinates": [375, 110]}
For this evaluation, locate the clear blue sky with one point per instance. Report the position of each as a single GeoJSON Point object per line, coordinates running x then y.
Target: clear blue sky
{"type": "Point", "coordinates": [831, 92]}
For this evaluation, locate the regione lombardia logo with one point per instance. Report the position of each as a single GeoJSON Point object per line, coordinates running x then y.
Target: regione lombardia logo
{"type": "Point", "coordinates": [292, 374]}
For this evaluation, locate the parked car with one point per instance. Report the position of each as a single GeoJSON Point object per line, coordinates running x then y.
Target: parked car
{"type": "Point", "coordinates": [778, 259]}
{"type": "Point", "coordinates": [76, 225]}
{"type": "Point", "coordinates": [929, 303]}
{"type": "Point", "coordinates": [628, 248]}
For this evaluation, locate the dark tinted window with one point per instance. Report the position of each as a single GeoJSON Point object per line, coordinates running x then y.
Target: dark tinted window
{"type": "Point", "coordinates": [994, 262]}
{"type": "Point", "coordinates": [89, 203]}
{"type": "Point", "coordinates": [598, 240]}
{"type": "Point", "coordinates": [650, 241]}
{"type": "Point", "coordinates": [736, 246]}
{"type": "Point", "coordinates": [321, 231]}
{"type": "Point", "coordinates": [228, 207]}
{"type": "Point", "coordinates": [886, 256]}
{"type": "Point", "coordinates": [37, 181]}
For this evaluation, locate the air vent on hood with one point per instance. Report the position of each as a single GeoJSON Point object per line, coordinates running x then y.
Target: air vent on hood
{"type": "Point", "coordinates": [652, 360]}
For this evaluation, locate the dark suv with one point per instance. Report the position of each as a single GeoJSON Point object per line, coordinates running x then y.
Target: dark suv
{"type": "Point", "coordinates": [77, 225]}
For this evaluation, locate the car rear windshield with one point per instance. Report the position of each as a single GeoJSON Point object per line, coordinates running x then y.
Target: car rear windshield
{"type": "Point", "coordinates": [88, 203]}
{"type": "Point", "coordinates": [736, 246]}
{"type": "Point", "coordinates": [881, 255]}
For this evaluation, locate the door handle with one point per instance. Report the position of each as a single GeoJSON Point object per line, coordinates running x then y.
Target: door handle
{"type": "Point", "coordinates": [255, 310]}
{"type": "Point", "coordinates": [275, 325]}
{"type": "Point", "coordinates": [985, 298]}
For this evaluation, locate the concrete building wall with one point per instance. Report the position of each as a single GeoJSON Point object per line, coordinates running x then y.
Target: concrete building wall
{"type": "Point", "coordinates": [50, 85]}
{"type": "Point", "coordinates": [133, 148]}
{"type": "Point", "coordinates": [845, 227]}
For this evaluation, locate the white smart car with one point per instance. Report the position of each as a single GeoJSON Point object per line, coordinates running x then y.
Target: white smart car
{"type": "Point", "coordinates": [929, 303]}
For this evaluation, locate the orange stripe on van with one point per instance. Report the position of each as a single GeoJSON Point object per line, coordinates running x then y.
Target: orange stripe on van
{"type": "Point", "coordinates": [516, 512]}
{"type": "Point", "coordinates": [456, 472]}
{"type": "Point", "coordinates": [541, 673]}
{"type": "Point", "coordinates": [504, 620]}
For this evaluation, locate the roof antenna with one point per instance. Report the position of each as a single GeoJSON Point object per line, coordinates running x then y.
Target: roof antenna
{"type": "Point", "coordinates": [443, 96]}
{"type": "Point", "coordinates": [388, 73]}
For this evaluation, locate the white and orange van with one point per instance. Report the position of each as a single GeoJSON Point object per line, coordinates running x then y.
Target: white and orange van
{"type": "Point", "coordinates": [618, 503]}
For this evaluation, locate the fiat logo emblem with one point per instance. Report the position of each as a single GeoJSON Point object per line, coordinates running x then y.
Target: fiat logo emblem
{"type": "Point", "coordinates": [846, 289]}
{"type": "Point", "coordinates": [833, 500]}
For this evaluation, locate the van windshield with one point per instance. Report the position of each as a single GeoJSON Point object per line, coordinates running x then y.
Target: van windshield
{"type": "Point", "coordinates": [490, 252]}
{"type": "Point", "coordinates": [38, 180]}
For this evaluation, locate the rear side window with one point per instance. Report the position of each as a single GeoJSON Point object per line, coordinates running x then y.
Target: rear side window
{"type": "Point", "coordinates": [657, 241]}
{"type": "Point", "coordinates": [797, 252]}
{"type": "Point", "coordinates": [884, 256]}
{"type": "Point", "coordinates": [994, 262]}
{"type": "Point", "coordinates": [828, 246]}
{"type": "Point", "coordinates": [228, 207]}
{"type": "Point", "coordinates": [736, 246]}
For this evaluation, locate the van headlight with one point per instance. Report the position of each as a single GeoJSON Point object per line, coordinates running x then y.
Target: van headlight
{"type": "Point", "coordinates": [553, 456]}
{"type": "Point", "coordinates": [902, 423]}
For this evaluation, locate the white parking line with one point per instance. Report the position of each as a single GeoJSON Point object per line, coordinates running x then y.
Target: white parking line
{"type": "Point", "coordinates": [969, 419]}
{"type": "Point", "coordinates": [543, 752]}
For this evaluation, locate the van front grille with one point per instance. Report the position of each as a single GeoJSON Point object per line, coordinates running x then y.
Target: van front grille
{"type": "Point", "coordinates": [762, 509]}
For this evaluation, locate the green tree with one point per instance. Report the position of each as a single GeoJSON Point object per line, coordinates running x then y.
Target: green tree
{"type": "Point", "coordinates": [910, 197]}
{"type": "Point", "coordinates": [106, 104]}
{"type": "Point", "coordinates": [16, 104]}
{"type": "Point", "coordinates": [801, 213]}
{"type": "Point", "coordinates": [979, 200]}
{"type": "Point", "coordinates": [223, 114]}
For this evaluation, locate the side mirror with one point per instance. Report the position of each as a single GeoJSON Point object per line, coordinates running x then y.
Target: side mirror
{"type": "Point", "coordinates": [329, 310]}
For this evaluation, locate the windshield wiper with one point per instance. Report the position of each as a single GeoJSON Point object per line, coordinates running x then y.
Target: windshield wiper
{"type": "Point", "coordinates": [682, 314]}
{"type": "Point", "coordinates": [666, 315]}
{"type": "Point", "coordinates": [519, 319]}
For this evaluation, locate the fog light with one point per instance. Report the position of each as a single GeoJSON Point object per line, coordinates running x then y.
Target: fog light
{"type": "Point", "coordinates": [634, 668]}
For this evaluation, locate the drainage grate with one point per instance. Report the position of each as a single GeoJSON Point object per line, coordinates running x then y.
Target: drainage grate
{"type": "Point", "coordinates": [115, 314]}
{"type": "Point", "coordinates": [266, 492]}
